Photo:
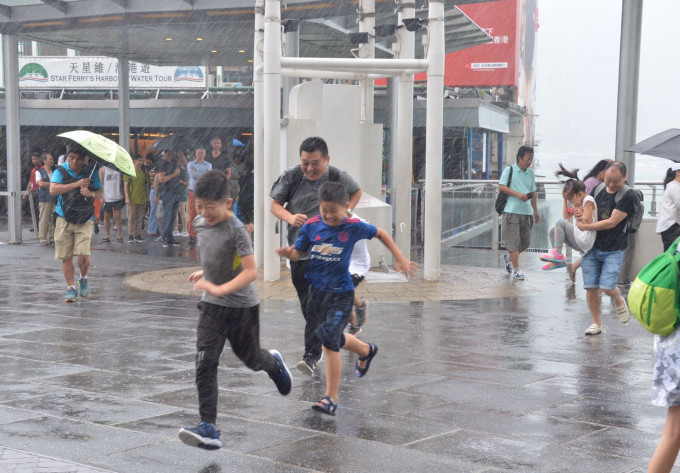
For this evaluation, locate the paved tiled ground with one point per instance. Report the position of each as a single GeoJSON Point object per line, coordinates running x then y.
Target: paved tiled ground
{"type": "Point", "coordinates": [464, 382]}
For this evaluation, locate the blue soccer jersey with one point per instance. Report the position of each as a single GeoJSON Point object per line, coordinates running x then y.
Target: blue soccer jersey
{"type": "Point", "coordinates": [331, 249]}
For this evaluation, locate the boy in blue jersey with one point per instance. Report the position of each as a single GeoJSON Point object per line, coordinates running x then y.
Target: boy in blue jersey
{"type": "Point", "coordinates": [230, 305]}
{"type": "Point", "coordinates": [331, 237]}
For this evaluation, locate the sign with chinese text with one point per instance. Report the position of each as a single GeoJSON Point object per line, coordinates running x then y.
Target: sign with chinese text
{"type": "Point", "coordinates": [91, 72]}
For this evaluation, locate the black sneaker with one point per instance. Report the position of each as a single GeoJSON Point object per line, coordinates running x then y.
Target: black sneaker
{"type": "Point", "coordinates": [166, 243]}
{"type": "Point", "coordinates": [307, 364]}
{"type": "Point", "coordinates": [139, 238]}
{"type": "Point", "coordinates": [361, 313]}
{"type": "Point", "coordinates": [131, 239]}
{"type": "Point", "coordinates": [282, 378]}
{"type": "Point", "coordinates": [192, 240]}
{"type": "Point", "coordinates": [174, 242]}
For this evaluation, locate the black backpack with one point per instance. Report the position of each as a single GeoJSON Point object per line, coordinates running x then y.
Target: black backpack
{"type": "Point", "coordinates": [333, 176]}
{"type": "Point", "coordinates": [635, 219]}
{"type": "Point", "coordinates": [76, 207]}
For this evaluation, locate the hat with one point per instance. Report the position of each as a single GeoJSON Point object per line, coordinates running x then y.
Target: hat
{"type": "Point", "coordinates": [675, 167]}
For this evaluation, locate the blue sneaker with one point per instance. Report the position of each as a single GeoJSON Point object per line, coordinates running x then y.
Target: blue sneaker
{"type": "Point", "coordinates": [71, 294]}
{"type": "Point", "coordinates": [508, 263]}
{"type": "Point", "coordinates": [282, 378]}
{"type": "Point", "coordinates": [204, 435]}
{"type": "Point", "coordinates": [84, 287]}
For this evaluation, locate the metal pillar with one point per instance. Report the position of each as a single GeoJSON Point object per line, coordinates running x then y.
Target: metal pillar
{"type": "Point", "coordinates": [10, 46]}
{"type": "Point", "coordinates": [272, 129]}
{"type": "Point", "coordinates": [404, 139]}
{"type": "Point", "coordinates": [124, 102]}
{"type": "Point", "coordinates": [292, 38]}
{"type": "Point", "coordinates": [629, 72]}
{"type": "Point", "coordinates": [261, 199]}
{"type": "Point", "coordinates": [433, 142]}
{"type": "Point", "coordinates": [367, 25]}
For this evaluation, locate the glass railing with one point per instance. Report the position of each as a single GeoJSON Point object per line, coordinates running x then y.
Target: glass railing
{"type": "Point", "coordinates": [469, 219]}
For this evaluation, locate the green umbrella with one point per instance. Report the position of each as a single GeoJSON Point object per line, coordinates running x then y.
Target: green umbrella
{"type": "Point", "coordinates": [109, 153]}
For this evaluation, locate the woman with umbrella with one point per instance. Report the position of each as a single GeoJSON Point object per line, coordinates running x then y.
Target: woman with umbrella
{"type": "Point", "coordinates": [667, 223]}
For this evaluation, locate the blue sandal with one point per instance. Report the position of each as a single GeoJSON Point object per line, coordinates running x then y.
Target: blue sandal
{"type": "Point", "coordinates": [372, 351]}
{"type": "Point", "coordinates": [326, 406]}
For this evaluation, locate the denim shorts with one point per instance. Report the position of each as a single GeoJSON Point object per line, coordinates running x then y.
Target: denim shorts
{"type": "Point", "coordinates": [601, 269]}
{"type": "Point", "coordinates": [332, 311]}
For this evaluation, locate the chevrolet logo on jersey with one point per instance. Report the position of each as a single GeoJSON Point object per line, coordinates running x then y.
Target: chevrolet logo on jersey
{"type": "Point", "coordinates": [326, 249]}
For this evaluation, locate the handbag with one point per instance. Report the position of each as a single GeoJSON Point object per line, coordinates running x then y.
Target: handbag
{"type": "Point", "coordinates": [502, 197]}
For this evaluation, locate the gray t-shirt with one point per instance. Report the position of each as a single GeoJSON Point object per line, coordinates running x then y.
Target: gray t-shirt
{"type": "Point", "coordinates": [305, 199]}
{"type": "Point", "coordinates": [221, 248]}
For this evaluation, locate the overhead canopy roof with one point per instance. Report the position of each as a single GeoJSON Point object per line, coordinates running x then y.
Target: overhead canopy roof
{"type": "Point", "coordinates": [140, 29]}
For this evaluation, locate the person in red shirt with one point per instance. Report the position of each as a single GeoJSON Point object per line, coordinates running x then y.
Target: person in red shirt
{"type": "Point", "coordinates": [33, 186]}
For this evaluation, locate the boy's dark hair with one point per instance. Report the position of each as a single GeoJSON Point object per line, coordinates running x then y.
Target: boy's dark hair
{"type": "Point", "coordinates": [214, 186]}
{"type": "Point", "coordinates": [314, 143]}
{"type": "Point", "coordinates": [524, 150]}
{"type": "Point", "coordinates": [333, 192]}
{"type": "Point", "coordinates": [76, 149]}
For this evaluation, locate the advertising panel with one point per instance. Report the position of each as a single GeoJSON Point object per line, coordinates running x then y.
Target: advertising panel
{"type": "Point", "coordinates": [93, 72]}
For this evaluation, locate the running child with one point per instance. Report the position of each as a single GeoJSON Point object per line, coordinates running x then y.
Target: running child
{"type": "Point", "coordinates": [229, 308]}
{"type": "Point", "coordinates": [331, 236]}
{"type": "Point", "coordinates": [583, 206]}
{"type": "Point", "coordinates": [359, 264]}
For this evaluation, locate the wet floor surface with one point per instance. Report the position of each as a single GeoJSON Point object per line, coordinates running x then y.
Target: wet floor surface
{"type": "Point", "coordinates": [479, 385]}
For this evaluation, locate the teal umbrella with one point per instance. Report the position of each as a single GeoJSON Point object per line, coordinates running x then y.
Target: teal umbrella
{"type": "Point", "coordinates": [107, 152]}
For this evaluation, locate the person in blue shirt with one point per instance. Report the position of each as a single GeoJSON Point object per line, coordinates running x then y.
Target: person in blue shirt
{"type": "Point", "coordinates": [77, 187]}
{"type": "Point", "coordinates": [521, 211]}
{"type": "Point", "coordinates": [330, 236]}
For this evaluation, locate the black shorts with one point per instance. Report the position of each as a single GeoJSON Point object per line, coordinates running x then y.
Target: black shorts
{"type": "Point", "coordinates": [109, 207]}
{"type": "Point", "coordinates": [356, 279]}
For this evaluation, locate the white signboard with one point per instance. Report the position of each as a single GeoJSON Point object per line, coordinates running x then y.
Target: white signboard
{"type": "Point", "coordinates": [92, 72]}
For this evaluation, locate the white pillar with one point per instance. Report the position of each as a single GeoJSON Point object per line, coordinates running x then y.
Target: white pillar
{"type": "Point", "coordinates": [272, 127]}
{"type": "Point", "coordinates": [124, 102]}
{"type": "Point", "coordinates": [433, 142]}
{"type": "Point", "coordinates": [261, 198]}
{"type": "Point", "coordinates": [404, 152]}
{"type": "Point", "coordinates": [11, 54]}
{"type": "Point", "coordinates": [367, 25]}
{"type": "Point", "coordinates": [292, 50]}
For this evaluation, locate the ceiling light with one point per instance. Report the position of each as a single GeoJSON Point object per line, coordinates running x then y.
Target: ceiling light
{"type": "Point", "coordinates": [241, 50]}
{"type": "Point", "coordinates": [213, 50]}
{"type": "Point", "coordinates": [168, 39]}
{"type": "Point", "coordinates": [250, 60]}
{"type": "Point", "coordinates": [199, 39]}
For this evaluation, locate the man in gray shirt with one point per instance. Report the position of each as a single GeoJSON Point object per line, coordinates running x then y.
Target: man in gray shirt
{"type": "Point", "coordinates": [298, 187]}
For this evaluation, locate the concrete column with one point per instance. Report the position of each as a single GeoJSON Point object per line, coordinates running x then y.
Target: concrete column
{"type": "Point", "coordinates": [10, 46]}
{"type": "Point", "coordinates": [404, 139]}
{"type": "Point", "coordinates": [433, 142]}
{"type": "Point", "coordinates": [292, 39]}
{"type": "Point", "coordinates": [124, 102]}
{"type": "Point", "coordinates": [272, 129]}
{"type": "Point", "coordinates": [367, 25]}
{"type": "Point", "coordinates": [261, 199]}
{"type": "Point", "coordinates": [629, 72]}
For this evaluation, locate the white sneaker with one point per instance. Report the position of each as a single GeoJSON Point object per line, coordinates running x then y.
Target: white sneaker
{"type": "Point", "coordinates": [518, 275]}
{"type": "Point", "coordinates": [622, 312]}
{"type": "Point", "coordinates": [175, 233]}
{"type": "Point", "coordinates": [594, 329]}
{"type": "Point", "coordinates": [184, 234]}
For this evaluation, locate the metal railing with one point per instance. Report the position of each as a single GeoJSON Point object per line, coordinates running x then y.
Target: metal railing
{"type": "Point", "coordinates": [470, 220]}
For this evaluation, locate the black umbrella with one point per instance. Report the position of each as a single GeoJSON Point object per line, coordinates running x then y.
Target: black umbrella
{"type": "Point", "coordinates": [662, 145]}
{"type": "Point", "coordinates": [175, 142]}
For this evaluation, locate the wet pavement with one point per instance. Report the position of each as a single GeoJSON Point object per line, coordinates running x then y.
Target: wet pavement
{"type": "Point", "coordinates": [475, 374]}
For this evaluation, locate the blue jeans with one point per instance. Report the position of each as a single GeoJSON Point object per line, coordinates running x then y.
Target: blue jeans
{"type": "Point", "coordinates": [153, 218]}
{"type": "Point", "coordinates": [601, 269]}
{"type": "Point", "coordinates": [170, 208]}
{"type": "Point", "coordinates": [332, 311]}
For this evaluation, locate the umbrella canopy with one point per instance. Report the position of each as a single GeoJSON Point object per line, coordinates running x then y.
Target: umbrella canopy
{"type": "Point", "coordinates": [175, 142]}
{"type": "Point", "coordinates": [662, 145]}
{"type": "Point", "coordinates": [108, 153]}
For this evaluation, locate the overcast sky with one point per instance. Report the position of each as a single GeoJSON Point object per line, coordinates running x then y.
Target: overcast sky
{"type": "Point", "coordinates": [576, 88]}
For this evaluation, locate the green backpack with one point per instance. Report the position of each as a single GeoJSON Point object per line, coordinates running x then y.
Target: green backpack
{"type": "Point", "coordinates": [653, 296]}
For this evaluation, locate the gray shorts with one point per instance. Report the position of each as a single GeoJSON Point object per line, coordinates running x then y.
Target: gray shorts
{"type": "Point", "coordinates": [517, 231]}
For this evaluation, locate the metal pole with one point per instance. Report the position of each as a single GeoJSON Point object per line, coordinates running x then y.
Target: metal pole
{"type": "Point", "coordinates": [10, 46]}
{"type": "Point", "coordinates": [433, 142]}
{"type": "Point", "coordinates": [627, 104]}
{"type": "Point", "coordinates": [367, 25]}
{"type": "Point", "coordinates": [292, 39]}
{"type": "Point", "coordinates": [261, 198]}
{"type": "Point", "coordinates": [124, 102]}
{"type": "Point", "coordinates": [629, 72]}
{"type": "Point", "coordinates": [404, 152]}
{"type": "Point", "coordinates": [272, 129]}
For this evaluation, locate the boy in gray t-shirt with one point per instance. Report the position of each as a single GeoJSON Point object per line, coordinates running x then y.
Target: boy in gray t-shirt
{"type": "Point", "coordinates": [229, 308]}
